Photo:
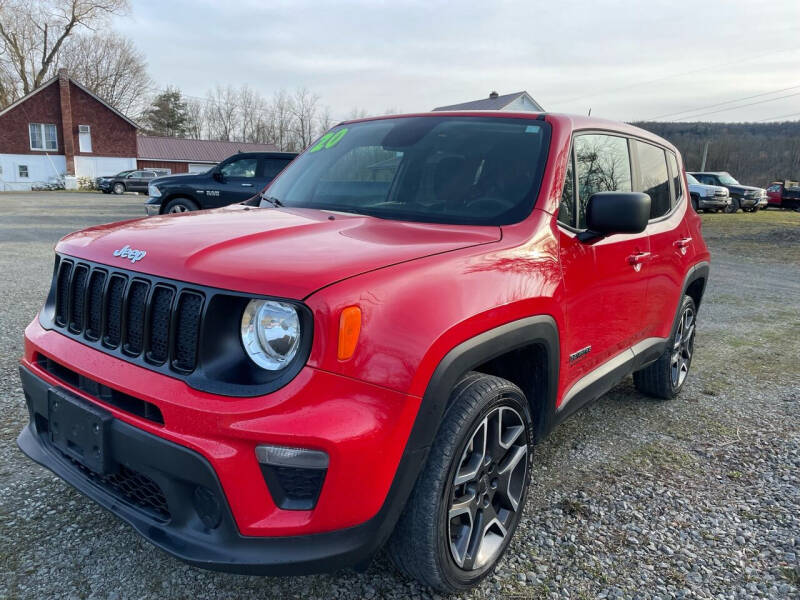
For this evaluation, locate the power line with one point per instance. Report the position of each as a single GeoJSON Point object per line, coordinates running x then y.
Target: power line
{"type": "Point", "coordinates": [681, 74]}
{"type": "Point", "coordinates": [713, 112]}
{"type": "Point", "coordinates": [680, 112]}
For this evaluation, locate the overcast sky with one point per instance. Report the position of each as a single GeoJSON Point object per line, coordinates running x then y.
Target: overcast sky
{"type": "Point", "coordinates": [627, 60]}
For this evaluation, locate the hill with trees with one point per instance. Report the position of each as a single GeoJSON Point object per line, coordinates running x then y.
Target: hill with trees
{"type": "Point", "coordinates": [754, 153]}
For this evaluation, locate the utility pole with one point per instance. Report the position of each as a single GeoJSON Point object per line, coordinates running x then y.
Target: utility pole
{"type": "Point", "coordinates": [705, 155]}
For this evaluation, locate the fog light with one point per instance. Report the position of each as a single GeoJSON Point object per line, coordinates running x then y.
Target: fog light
{"type": "Point", "coordinates": [294, 476]}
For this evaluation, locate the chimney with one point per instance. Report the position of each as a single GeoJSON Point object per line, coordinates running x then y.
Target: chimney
{"type": "Point", "coordinates": [66, 121]}
{"type": "Point", "coordinates": [493, 94]}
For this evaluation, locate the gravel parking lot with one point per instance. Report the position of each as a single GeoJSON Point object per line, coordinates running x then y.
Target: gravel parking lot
{"type": "Point", "coordinates": [633, 498]}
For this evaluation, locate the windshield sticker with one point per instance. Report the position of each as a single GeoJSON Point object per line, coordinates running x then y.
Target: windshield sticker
{"type": "Point", "coordinates": [329, 140]}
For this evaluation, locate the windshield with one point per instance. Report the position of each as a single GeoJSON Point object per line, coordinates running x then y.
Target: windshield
{"type": "Point", "coordinates": [455, 170]}
{"type": "Point", "coordinates": [691, 179]}
{"type": "Point", "coordinates": [727, 179]}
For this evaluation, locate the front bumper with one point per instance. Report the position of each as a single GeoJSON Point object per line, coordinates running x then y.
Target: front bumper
{"type": "Point", "coordinates": [180, 473]}
{"type": "Point", "coordinates": [152, 206]}
{"type": "Point", "coordinates": [208, 442]}
{"type": "Point", "coordinates": [749, 201]}
{"type": "Point", "coordinates": [713, 202]}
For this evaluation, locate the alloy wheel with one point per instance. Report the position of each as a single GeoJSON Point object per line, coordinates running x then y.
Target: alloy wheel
{"type": "Point", "coordinates": [682, 348]}
{"type": "Point", "coordinates": [178, 208]}
{"type": "Point", "coordinates": [488, 486]}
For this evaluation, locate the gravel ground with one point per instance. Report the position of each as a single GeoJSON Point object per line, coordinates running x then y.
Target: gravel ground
{"type": "Point", "coordinates": [633, 498]}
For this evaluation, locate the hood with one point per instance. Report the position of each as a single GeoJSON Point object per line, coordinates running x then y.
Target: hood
{"type": "Point", "coordinates": [177, 176]}
{"type": "Point", "coordinates": [707, 187]}
{"type": "Point", "coordinates": [744, 188]}
{"type": "Point", "coordinates": [283, 252]}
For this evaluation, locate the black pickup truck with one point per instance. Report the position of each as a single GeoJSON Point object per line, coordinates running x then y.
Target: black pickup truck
{"type": "Point", "coordinates": [235, 179]}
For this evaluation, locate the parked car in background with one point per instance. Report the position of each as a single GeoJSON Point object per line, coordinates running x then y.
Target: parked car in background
{"type": "Point", "coordinates": [747, 197]}
{"type": "Point", "coordinates": [784, 194]}
{"type": "Point", "coordinates": [235, 179]}
{"type": "Point", "coordinates": [364, 359]}
{"type": "Point", "coordinates": [708, 197]}
{"type": "Point", "coordinates": [129, 181]}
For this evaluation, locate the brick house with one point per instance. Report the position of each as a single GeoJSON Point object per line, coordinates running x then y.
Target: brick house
{"type": "Point", "coordinates": [61, 129]}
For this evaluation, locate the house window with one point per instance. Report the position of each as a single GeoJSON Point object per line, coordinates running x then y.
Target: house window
{"type": "Point", "coordinates": [23, 171]}
{"type": "Point", "coordinates": [84, 138]}
{"type": "Point", "coordinates": [43, 136]}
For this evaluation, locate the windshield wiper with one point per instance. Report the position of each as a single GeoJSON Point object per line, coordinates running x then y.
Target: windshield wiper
{"type": "Point", "coordinates": [272, 200]}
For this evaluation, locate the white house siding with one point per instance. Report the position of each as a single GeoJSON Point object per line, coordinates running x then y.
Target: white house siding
{"type": "Point", "coordinates": [199, 167]}
{"type": "Point", "coordinates": [522, 104]}
{"type": "Point", "coordinates": [42, 169]}
{"type": "Point", "coordinates": [99, 166]}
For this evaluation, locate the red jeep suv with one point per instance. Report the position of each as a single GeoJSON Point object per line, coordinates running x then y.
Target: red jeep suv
{"type": "Point", "coordinates": [366, 353]}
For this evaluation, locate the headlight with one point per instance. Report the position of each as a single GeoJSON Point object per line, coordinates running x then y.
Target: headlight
{"type": "Point", "coordinates": [153, 191]}
{"type": "Point", "coordinates": [270, 333]}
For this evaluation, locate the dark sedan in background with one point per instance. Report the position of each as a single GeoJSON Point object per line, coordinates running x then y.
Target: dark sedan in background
{"type": "Point", "coordinates": [129, 181]}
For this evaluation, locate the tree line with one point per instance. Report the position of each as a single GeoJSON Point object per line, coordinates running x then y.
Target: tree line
{"type": "Point", "coordinates": [754, 153]}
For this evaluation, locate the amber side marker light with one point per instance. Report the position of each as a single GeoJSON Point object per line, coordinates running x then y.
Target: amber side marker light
{"type": "Point", "coordinates": [349, 328]}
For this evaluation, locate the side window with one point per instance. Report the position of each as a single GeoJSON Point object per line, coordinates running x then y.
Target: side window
{"type": "Point", "coordinates": [566, 208]}
{"type": "Point", "coordinates": [653, 177]}
{"type": "Point", "coordinates": [22, 170]}
{"type": "Point", "coordinates": [273, 166]}
{"type": "Point", "coordinates": [243, 167]}
{"type": "Point", "coordinates": [602, 165]}
{"type": "Point", "coordinates": [774, 188]}
{"type": "Point", "coordinates": [677, 180]}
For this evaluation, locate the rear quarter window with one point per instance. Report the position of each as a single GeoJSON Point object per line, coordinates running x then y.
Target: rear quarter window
{"type": "Point", "coordinates": [653, 177]}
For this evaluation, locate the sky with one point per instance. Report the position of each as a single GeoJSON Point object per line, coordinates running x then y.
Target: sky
{"type": "Point", "coordinates": [624, 60]}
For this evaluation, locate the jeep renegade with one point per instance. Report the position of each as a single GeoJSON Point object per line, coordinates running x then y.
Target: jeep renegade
{"type": "Point", "coordinates": [366, 354]}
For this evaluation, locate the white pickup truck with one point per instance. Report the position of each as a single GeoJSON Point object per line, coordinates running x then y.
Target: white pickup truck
{"type": "Point", "coordinates": [708, 197]}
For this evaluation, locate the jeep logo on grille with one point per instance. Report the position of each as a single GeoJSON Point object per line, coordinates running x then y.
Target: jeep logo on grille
{"type": "Point", "coordinates": [128, 252]}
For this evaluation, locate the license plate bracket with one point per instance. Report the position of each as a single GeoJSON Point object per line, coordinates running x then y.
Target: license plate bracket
{"type": "Point", "coordinates": [80, 430]}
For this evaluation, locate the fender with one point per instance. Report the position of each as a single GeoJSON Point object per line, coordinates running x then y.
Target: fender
{"type": "Point", "coordinates": [540, 329]}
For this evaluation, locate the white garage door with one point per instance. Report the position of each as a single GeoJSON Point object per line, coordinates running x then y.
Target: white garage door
{"type": "Point", "coordinates": [199, 167]}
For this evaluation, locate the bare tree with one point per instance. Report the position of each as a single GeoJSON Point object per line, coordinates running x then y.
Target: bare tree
{"type": "Point", "coordinates": [326, 120]}
{"type": "Point", "coordinates": [196, 122]}
{"type": "Point", "coordinates": [304, 110]}
{"type": "Point", "coordinates": [282, 120]}
{"type": "Point", "coordinates": [222, 113]}
{"type": "Point", "coordinates": [358, 113]}
{"type": "Point", "coordinates": [33, 32]}
{"type": "Point", "coordinates": [110, 66]}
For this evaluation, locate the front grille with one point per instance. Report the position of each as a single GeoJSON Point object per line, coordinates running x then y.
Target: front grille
{"type": "Point", "coordinates": [139, 316]}
{"type": "Point", "coordinates": [129, 485]}
{"type": "Point", "coordinates": [95, 389]}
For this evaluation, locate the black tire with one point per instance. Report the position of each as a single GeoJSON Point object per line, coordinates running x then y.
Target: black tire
{"type": "Point", "coordinates": [660, 379]}
{"type": "Point", "coordinates": [119, 188]}
{"type": "Point", "coordinates": [732, 207]}
{"type": "Point", "coordinates": [180, 205]}
{"type": "Point", "coordinates": [695, 203]}
{"type": "Point", "coordinates": [424, 544]}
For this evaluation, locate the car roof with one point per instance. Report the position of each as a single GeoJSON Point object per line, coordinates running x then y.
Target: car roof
{"type": "Point", "coordinates": [709, 172]}
{"type": "Point", "coordinates": [566, 121]}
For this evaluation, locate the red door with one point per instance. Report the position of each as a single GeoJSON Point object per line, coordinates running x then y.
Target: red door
{"type": "Point", "coordinates": [604, 280]}
{"type": "Point", "coordinates": [670, 241]}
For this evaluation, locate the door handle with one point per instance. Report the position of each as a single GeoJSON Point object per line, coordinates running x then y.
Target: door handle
{"type": "Point", "coordinates": [247, 185]}
{"type": "Point", "coordinates": [638, 259]}
{"type": "Point", "coordinates": [682, 243]}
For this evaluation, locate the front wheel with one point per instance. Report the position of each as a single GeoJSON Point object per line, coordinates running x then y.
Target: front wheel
{"type": "Point", "coordinates": [470, 496]}
{"type": "Point", "coordinates": [119, 188]}
{"type": "Point", "coordinates": [665, 377]}
{"type": "Point", "coordinates": [180, 205]}
{"type": "Point", "coordinates": [733, 206]}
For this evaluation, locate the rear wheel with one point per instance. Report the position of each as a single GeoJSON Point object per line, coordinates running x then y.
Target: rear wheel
{"type": "Point", "coordinates": [180, 205]}
{"type": "Point", "coordinates": [470, 496]}
{"type": "Point", "coordinates": [665, 377]}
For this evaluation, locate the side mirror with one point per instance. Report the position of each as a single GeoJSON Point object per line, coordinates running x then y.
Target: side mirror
{"type": "Point", "coordinates": [218, 176]}
{"type": "Point", "coordinates": [615, 212]}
